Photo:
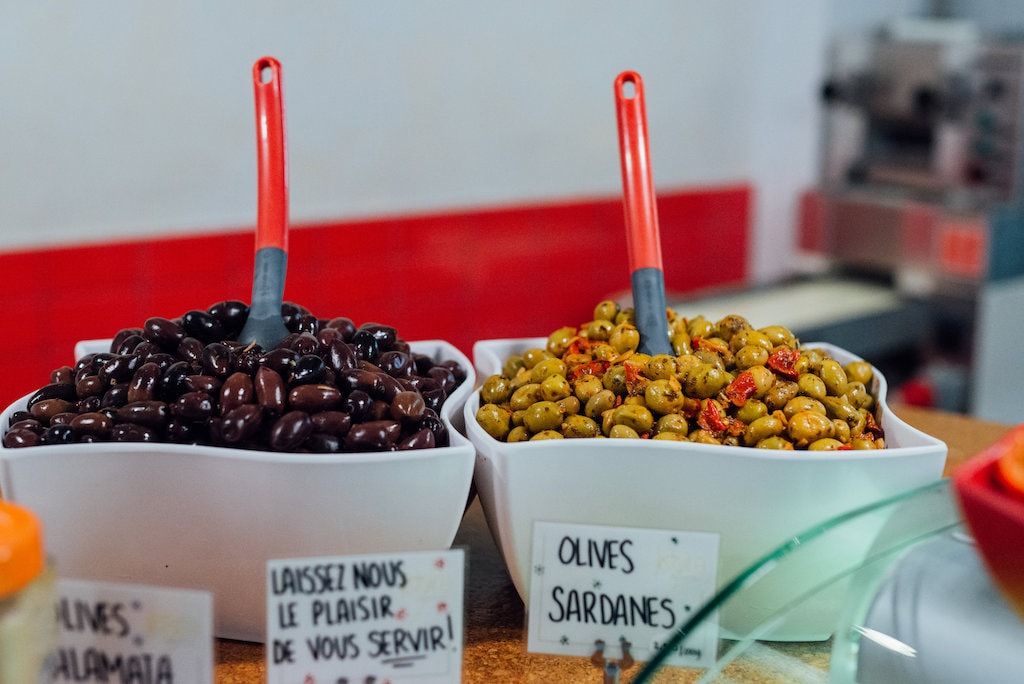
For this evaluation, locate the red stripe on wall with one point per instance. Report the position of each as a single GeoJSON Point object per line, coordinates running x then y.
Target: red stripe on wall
{"type": "Point", "coordinates": [520, 271]}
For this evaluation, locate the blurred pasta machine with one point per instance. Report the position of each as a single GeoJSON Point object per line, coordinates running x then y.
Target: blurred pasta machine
{"type": "Point", "coordinates": [922, 186]}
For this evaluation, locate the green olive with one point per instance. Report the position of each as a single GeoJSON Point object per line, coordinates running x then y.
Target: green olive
{"type": "Point", "coordinates": [639, 361]}
{"type": "Point", "coordinates": [623, 432]}
{"type": "Point", "coordinates": [625, 316]}
{"type": "Point", "coordinates": [569, 406]}
{"type": "Point", "coordinates": [685, 364]}
{"type": "Point", "coordinates": [637, 417]}
{"type": "Point", "coordinates": [762, 428]}
{"type": "Point", "coordinates": [547, 434]}
{"type": "Point", "coordinates": [859, 423]}
{"type": "Point", "coordinates": [812, 386]}
{"type": "Point", "coordinates": [547, 368]}
{"type": "Point", "coordinates": [606, 310]}
{"type": "Point", "coordinates": [815, 357]}
{"type": "Point", "coordinates": [624, 338]}
{"type": "Point", "coordinates": [673, 422]}
{"type": "Point", "coordinates": [706, 381]}
{"type": "Point", "coordinates": [750, 355]}
{"type": "Point", "coordinates": [525, 396]}
{"type": "Point", "coordinates": [751, 411]}
{"type": "Point", "coordinates": [587, 386]}
{"type": "Point", "coordinates": [859, 371]}
{"type": "Point", "coordinates": [808, 426]}
{"type": "Point", "coordinates": [615, 380]}
{"type": "Point", "coordinates": [764, 380]}
{"type": "Point", "coordinates": [572, 360]}
{"type": "Point", "coordinates": [605, 352]}
{"type": "Point", "coordinates": [559, 340]}
{"type": "Point", "coordinates": [703, 437]}
{"type": "Point", "coordinates": [494, 420]}
{"type": "Point", "coordinates": [544, 415]}
{"type": "Point", "coordinates": [779, 335]}
{"type": "Point", "coordinates": [580, 426]}
{"type": "Point", "coordinates": [512, 366]}
{"type": "Point", "coordinates": [730, 325]}
{"type": "Point", "coordinates": [496, 390]}
{"type": "Point", "coordinates": [711, 358]}
{"type": "Point", "coordinates": [681, 342]}
{"type": "Point", "coordinates": [664, 396]}
{"type": "Point", "coordinates": [798, 404]}
{"type": "Point", "coordinates": [673, 436]}
{"type": "Point", "coordinates": [750, 337]}
{"type": "Point", "coordinates": [699, 327]}
{"type": "Point", "coordinates": [858, 395]}
{"type": "Point", "coordinates": [599, 403]}
{"type": "Point", "coordinates": [522, 377]}
{"type": "Point", "coordinates": [517, 417]}
{"type": "Point", "coordinates": [634, 401]}
{"type": "Point", "coordinates": [775, 442]}
{"type": "Point", "coordinates": [531, 357]}
{"type": "Point", "coordinates": [841, 430]}
{"type": "Point", "coordinates": [599, 330]}
{"type": "Point", "coordinates": [780, 394]}
{"type": "Point", "coordinates": [554, 387]}
{"type": "Point", "coordinates": [518, 434]}
{"type": "Point", "coordinates": [841, 408]}
{"type": "Point", "coordinates": [862, 444]}
{"type": "Point", "coordinates": [825, 444]}
{"type": "Point", "coordinates": [661, 367]}
{"type": "Point", "coordinates": [834, 377]}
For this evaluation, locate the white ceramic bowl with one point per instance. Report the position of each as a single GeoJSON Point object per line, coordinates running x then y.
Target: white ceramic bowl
{"type": "Point", "coordinates": [210, 518]}
{"type": "Point", "coordinates": [754, 498]}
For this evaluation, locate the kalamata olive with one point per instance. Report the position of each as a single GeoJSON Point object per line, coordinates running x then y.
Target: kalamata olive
{"type": "Point", "coordinates": [308, 323]}
{"type": "Point", "coordinates": [203, 326]}
{"type": "Point", "coordinates": [145, 349]}
{"type": "Point", "coordinates": [190, 349]}
{"type": "Point", "coordinates": [48, 408]}
{"type": "Point", "coordinates": [431, 422]}
{"type": "Point", "coordinates": [129, 432]}
{"type": "Point", "coordinates": [248, 359]}
{"type": "Point", "coordinates": [162, 361]}
{"type": "Point", "coordinates": [323, 443]}
{"type": "Point", "coordinates": [343, 325]}
{"type": "Point", "coordinates": [88, 404]}
{"type": "Point", "coordinates": [182, 432]}
{"type": "Point", "coordinates": [29, 424]}
{"type": "Point", "coordinates": [328, 335]}
{"type": "Point", "coordinates": [16, 438]}
{"type": "Point", "coordinates": [241, 423]}
{"type": "Point", "coordinates": [357, 405]}
{"type": "Point", "coordinates": [193, 406]}
{"type": "Point", "coordinates": [203, 383]}
{"type": "Point", "coordinates": [231, 313]}
{"type": "Point", "coordinates": [152, 414]}
{"type": "Point", "coordinates": [120, 369]}
{"type": "Point", "coordinates": [434, 398]}
{"type": "Point", "coordinates": [332, 422]}
{"type": "Point", "coordinates": [290, 430]}
{"type": "Point", "coordinates": [19, 416]}
{"type": "Point", "coordinates": [365, 345]}
{"type": "Point", "coordinates": [116, 396]}
{"type": "Point", "coordinates": [90, 385]}
{"type": "Point", "coordinates": [89, 438]}
{"type": "Point", "coordinates": [314, 398]}
{"type": "Point", "coordinates": [290, 314]}
{"type": "Point", "coordinates": [167, 334]}
{"type": "Point", "coordinates": [128, 345]}
{"type": "Point", "coordinates": [389, 387]}
{"type": "Point", "coordinates": [56, 390]}
{"type": "Point", "coordinates": [92, 423]}
{"type": "Point", "coordinates": [122, 335]}
{"type": "Point", "coordinates": [402, 346]}
{"type": "Point", "coordinates": [365, 381]}
{"type": "Point", "coordinates": [174, 381]}
{"type": "Point", "coordinates": [408, 407]}
{"type": "Point", "coordinates": [286, 341]}
{"type": "Point", "coordinates": [421, 439]}
{"type": "Point", "coordinates": [270, 390]}
{"type": "Point", "coordinates": [444, 377]}
{"type": "Point", "coordinates": [144, 382]}
{"type": "Point", "coordinates": [305, 344]}
{"type": "Point", "coordinates": [64, 374]}
{"type": "Point", "coordinates": [423, 363]}
{"type": "Point", "coordinates": [58, 434]}
{"type": "Point", "coordinates": [237, 390]}
{"type": "Point", "coordinates": [280, 360]}
{"type": "Point", "coordinates": [217, 359]}
{"type": "Point", "coordinates": [457, 370]}
{"type": "Point", "coordinates": [384, 334]}
{"type": "Point", "coordinates": [308, 369]}
{"type": "Point", "coordinates": [379, 410]}
{"type": "Point", "coordinates": [375, 435]}
{"type": "Point", "coordinates": [396, 364]}
{"type": "Point", "coordinates": [367, 366]}
{"type": "Point", "coordinates": [84, 362]}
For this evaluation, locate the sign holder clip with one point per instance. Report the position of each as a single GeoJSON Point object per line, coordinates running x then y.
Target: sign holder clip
{"type": "Point", "coordinates": [612, 669]}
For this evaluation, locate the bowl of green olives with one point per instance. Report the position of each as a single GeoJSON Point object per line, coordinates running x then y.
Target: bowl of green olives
{"type": "Point", "coordinates": [744, 432]}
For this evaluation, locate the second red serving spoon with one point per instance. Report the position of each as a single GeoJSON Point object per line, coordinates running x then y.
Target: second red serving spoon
{"type": "Point", "coordinates": [642, 238]}
{"type": "Point", "coordinates": [265, 326]}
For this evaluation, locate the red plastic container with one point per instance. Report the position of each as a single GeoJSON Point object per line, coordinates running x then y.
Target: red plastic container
{"type": "Point", "coordinates": [995, 516]}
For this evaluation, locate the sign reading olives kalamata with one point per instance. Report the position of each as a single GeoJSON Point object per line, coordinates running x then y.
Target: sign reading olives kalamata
{"type": "Point", "coordinates": [394, 617]}
{"type": "Point", "coordinates": [591, 583]}
{"type": "Point", "coordinates": [132, 633]}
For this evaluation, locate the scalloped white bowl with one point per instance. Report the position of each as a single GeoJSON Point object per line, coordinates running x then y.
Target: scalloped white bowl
{"type": "Point", "coordinates": [753, 498]}
{"type": "Point", "coordinates": [210, 518]}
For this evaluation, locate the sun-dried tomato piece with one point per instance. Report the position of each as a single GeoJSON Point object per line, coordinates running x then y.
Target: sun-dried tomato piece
{"type": "Point", "coordinates": [710, 418]}
{"type": "Point", "coordinates": [873, 428]}
{"type": "Point", "coordinates": [741, 389]}
{"type": "Point", "coordinates": [596, 368]}
{"type": "Point", "coordinates": [783, 361]}
{"type": "Point", "coordinates": [579, 345]}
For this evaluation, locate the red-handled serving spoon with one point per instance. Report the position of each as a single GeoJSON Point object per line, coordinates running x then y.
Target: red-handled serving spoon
{"type": "Point", "coordinates": [642, 240]}
{"type": "Point", "coordinates": [264, 325]}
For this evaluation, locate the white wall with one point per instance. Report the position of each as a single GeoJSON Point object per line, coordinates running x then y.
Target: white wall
{"type": "Point", "coordinates": [122, 118]}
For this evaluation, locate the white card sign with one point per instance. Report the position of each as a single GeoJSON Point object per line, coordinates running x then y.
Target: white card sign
{"type": "Point", "coordinates": [385, 618]}
{"type": "Point", "coordinates": [132, 633]}
{"type": "Point", "coordinates": [590, 582]}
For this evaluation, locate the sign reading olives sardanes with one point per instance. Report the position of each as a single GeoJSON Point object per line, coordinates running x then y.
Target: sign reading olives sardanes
{"type": "Point", "coordinates": [131, 633]}
{"type": "Point", "coordinates": [386, 618]}
{"type": "Point", "coordinates": [591, 583]}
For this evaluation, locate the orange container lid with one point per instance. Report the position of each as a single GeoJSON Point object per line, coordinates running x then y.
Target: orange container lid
{"type": "Point", "coordinates": [21, 548]}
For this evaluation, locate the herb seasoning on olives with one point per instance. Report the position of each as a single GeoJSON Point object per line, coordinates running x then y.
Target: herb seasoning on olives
{"type": "Point", "coordinates": [728, 383]}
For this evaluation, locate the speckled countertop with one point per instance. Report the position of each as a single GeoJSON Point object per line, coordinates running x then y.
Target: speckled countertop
{"type": "Point", "coordinates": [495, 638]}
